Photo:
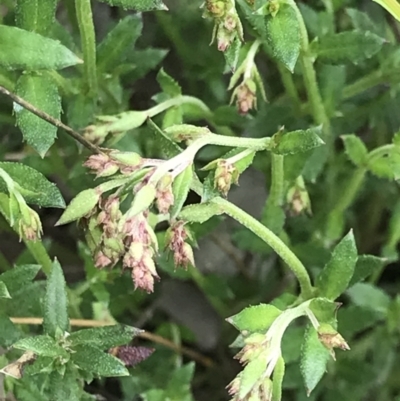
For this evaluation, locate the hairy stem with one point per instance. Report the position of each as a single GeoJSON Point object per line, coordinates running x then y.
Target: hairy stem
{"type": "Point", "coordinates": [310, 79]}
{"type": "Point", "coordinates": [273, 241]}
{"type": "Point", "coordinates": [88, 43]}
{"type": "Point", "coordinates": [277, 180]}
{"type": "Point", "coordinates": [39, 252]}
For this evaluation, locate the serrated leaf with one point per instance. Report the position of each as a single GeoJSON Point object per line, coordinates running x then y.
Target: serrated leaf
{"type": "Point", "coordinates": [138, 5]}
{"type": "Point", "coordinates": [95, 361]}
{"type": "Point", "coordinates": [34, 186]}
{"type": "Point", "coordinates": [81, 205]}
{"type": "Point", "coordinates": [199, 213]}
{"type": "Point", "coordinates": [9, 333]}
{"type": "Point", "coordinates": [29, 51]}
{"type": "Point", "coordinates": [232, 55]}
{"type": "Point", "coordinates": [4, 291]}
{"type": "Point", "coordinates": [349, 46]}
{"type": "Point", "coordinates": [169, 147]}
{"type": "Point", "coordinates": [42, 92]}
{"type": "Point", "coordinates": [55, 315]}
{"type": "Point", "coordinates": [296, 141]}
{"type": "Point", "coordinates": [337, 273]}
{"type": "Point", "coordinates": [283, 35]}
{"type": "Point", "coordinates": [365, 266]}
{"type": "Point", "coordinates": [168, 85]}
{"type": "Point", "coordinates": [255, 318]}
{"type": "Point", "coordinates": [104, 337]}
{"type": "Point", "coordinates": [113, 50]}
{"type": "Point", "coordinates": [40, 345]}
{"type": "Point", "coordinates": [180, 189]}
{"type": "Point", "coordinates": [387, 166]}
{"type": "Point", "coordinates": [355, 149]}
{"type": "Point", "coordinates": [18, 277]}
{"type": "Point", "coordinates": [314, 357]}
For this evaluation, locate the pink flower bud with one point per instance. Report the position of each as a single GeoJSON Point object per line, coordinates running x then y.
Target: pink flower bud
{"type": "Point", "coordinates": [102, 260]}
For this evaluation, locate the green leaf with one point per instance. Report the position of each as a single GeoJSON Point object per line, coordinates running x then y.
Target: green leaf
{"type": "Point", "coordinates": [35, 16]}
{"type": "Point", "coordinates": [365, 266]}
{"type": "Point", "coordinates": [114, 49]}
{"type": "Point", "coordinates": [296, 141]}
{"type": "Point", "coordinates": [251, 374]}
{"type": "Point", "coordinates": [55, 315]}
{"type": "Point", "coordinates": [65, 387]}
{"type": "Point", "coordinates": [199, 213]}
{"type": "Point", "coordinates": [387, 166]}
{"type": "Point", "coordinates": [34, 186]}
{"type": "Point", "coordinates": [255, 318]}
{"type": "Point", "coordinates": [355, 149]}
{"type": "Point", "coordinates": [81, 205]}
{"type": "Point", "coordinates": [9, 333]}
{"type": "Point", "coordinates": [42, 92]}
{"type": "Point", "coordinates": [370, 297]}
{"type": "Point", "coordinates": [153, 394]}
{"type": "Point", "coordinates": [360, 20]}
{"type": "Point", "coordinates": [168, 85]}
{"type": "Point", "coordinates": [104, 337]}
{"type": "Point", "coordinates": [350, 46]}
{"type": "Point", "coordinates": [29, 51]}
{"type": "Point", "coordinates": [3, 291]}
{"type": "Point", "coordinates": [314, 357]}
{"type": "Point", "coordinates": [169, 148]}
{"type": "Point", "coordinates": [180, 189]}
{"type": "Point", "coordinates": [337, 273]}
{"type": "Point", "coordinates": [138, 5]}
{"type": "Point", "coordinates": [95, 361]}
{"type": "Point", "coordinates": [41, 345]}
{"type": "Point", "coordinates": [291, 343]}
{"type": "Point", "coordinates": [19, 277]}
{"type": "Point", "coordinates": [232, 55]}
{"type": "Point", "coordinates": [283, 35]}
{"type": "Point", "coordinates": [324, 310]}
{"type": "Point", "coordinates": [178, 387]}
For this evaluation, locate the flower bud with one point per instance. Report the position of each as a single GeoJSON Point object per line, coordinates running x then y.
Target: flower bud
{"type": "Point", "coordinates": [127, 158]}
{"type": "Point", "coordinates": [246, 98]}
{"type": "Point", "coordinates": [225, 174]}
{"type": "Point", "coordinates": [216, 8]}
{"type": "Point", "coordinates": [30, 226]}
{"type": "Point", "coordinates": [102, 165]}
{"type": "Point", "coordinates": [143, 199]}
{"type": "Point", "coordinates": [330, 338]}
{"type": "Point", "coordinates": [164, 195]}
{"type": "Point", "coordinates": [102, 260]}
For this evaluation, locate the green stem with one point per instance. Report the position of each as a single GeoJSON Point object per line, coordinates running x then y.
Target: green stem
{"type": "Point", "coordinates": [310, 79]}
{"type": "Point", "coordinates": [277, 180]}
{"type": "Point", "coordinates": [290, 87]}
{"type": "Point", "coordinates": [177, 101]}
{"type": "Point", "coordinates": [39, 252]}
{"type": "Point", "coordinates": [279, 373]}
{"type": "Point", "coordinates": [273, 241]}
{"type": "Point", "coordinates": [250, 59]}
{"type": "Point", "coordinates": [350, 191]}
{"type": "Point", "coordinates": [88, 43]}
